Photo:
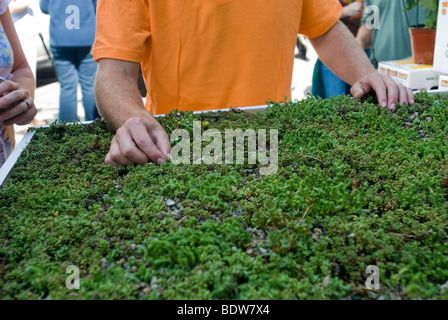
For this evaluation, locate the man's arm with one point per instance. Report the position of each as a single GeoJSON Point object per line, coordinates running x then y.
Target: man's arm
{"type": "Point", "coordinates": [340, 51]}
{"type": "Point", "coordinates": [364, 36]}
{"type": "Point", "coordinates": [139, 138]}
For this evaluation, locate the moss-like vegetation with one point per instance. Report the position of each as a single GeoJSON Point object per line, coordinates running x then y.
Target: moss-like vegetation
{"type": "Point", "coordinates": [356, 186]}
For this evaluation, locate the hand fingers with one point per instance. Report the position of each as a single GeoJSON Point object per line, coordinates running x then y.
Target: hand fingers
{"type": "Point", "coordinates": [23, 118]}
{"type": "Point", "coordinates": [377, 84]}
{"type": "Point", "coordinates": [144, 134]}
{"type": "Point", "coordinates": [8, 86]}
{"type": "Point", "coordinates": [403, 98]}
{"type": "Point", "coordinates": [388, 92]}
{"type": "Point", "coordinates": [18, 112]}
{"type": "Point", "coordinates": [360, 89]}
{"type": "Point", "coordinates": [358, 7]}
{"type": "Point", "coordinates": [411, 97]}
{"type": "Point", "coordinates": [161, 140]}
{"type": "Point", "coordinates": [13, 97]}
{"type": "Point", "coordinates": [398, 93]}
{"type": "Point", "coordinates": [127, 138]}
{"type": "Point", "coordinates": [357, 91]}
{"type": "Point", "coordinates": [393, 93]}
{"type": "Point", "coordinates": [115, 157]}
{"type": "Point", "coordinates": [109, 161]}
{"type": "Point", "coordinates": [135, 142]}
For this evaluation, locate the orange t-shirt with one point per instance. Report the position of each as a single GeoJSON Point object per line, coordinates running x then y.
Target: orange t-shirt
{"type": "Point", "coordinates": [210, 54]}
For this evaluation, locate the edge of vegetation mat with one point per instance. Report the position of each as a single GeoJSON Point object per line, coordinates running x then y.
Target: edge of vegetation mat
{"type": "Point", "coordinates": [356, 186]}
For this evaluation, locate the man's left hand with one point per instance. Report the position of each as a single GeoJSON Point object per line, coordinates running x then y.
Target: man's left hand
{"type": "Point", "coordinates": [388, 92]}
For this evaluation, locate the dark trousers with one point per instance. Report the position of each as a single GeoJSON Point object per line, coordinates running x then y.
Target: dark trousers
{"type": "Point", "coordinates": [75, 65]}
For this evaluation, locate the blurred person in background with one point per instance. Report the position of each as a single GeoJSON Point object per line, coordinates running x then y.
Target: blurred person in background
{"type": "Point", "coordinates": [392, 40]}
{"type": "Point", "coordinates": [16, 84]}
{"type": "Point", "coordinates": [72, 34]}
{"type": "Point", "coordinates": [325, 83]}
{"type": "Point", "coordinates": [302, 49]}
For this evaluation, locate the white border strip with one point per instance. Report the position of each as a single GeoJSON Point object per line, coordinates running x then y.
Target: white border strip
{"type": "Point", "coordinates": [8, 166]}
{"type": "Point", "coordinates": [433, 91]}
{"type": "Point", "coordinates": [68, 123]}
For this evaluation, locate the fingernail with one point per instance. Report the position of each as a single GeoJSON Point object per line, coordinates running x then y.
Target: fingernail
{"type": "Point", "coordinates": [160, 161]}
{"type": "Point", "coordinates": [412, 101]}
{"type": "Point", "coordinates": [392, 106]}
{"type": "Point", "coordinates": [384, 105]}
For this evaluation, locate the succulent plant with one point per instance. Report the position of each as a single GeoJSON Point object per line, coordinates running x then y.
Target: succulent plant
{"type": "Point", "coordinates": [356, 186]}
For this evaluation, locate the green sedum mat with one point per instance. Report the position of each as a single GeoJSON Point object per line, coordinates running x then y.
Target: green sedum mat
{"type": "Point", "coordinates": [356, 186]}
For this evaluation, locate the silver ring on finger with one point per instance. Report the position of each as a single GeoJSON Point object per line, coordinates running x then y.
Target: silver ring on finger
{"type": "Point", "coordinates": [28, 105]}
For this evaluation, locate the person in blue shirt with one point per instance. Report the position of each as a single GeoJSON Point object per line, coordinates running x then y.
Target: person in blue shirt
{"type": "Point", "coordinates": [325, 83]}
{"type": "Point", "coordinates": [72, 34]}
{"type": "Point", "coordinates": [392, 40]}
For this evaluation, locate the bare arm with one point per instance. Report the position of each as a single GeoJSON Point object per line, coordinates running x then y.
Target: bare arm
{"type": "Point", "coordinates": [117, 92]}
{"type": "Point", "coordinates": [21, 87]}
{"type": "Point", "coordinates": [19, 5]}
{"type": "Point", "coordinates": [340, 51]}
{"type": "Point", "coordinates": [364, 36]}
{"type": "Point", "coordinates": [140, 138]}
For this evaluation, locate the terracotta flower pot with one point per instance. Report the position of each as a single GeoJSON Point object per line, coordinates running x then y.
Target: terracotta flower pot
{"type": "Point", "coordinates": [423, 44]}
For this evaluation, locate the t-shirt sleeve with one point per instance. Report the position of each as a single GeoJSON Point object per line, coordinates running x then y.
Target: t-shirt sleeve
{"type": "Point", "coordinates": [319, 16]}
{"type": "Point", "coordinates": [122, 30]}
{"type": "Point", "coordinates": [4, 6]}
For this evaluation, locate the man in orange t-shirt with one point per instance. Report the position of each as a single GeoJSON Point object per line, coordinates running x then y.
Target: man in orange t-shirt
{"type": "Point", "coordinates": [204, 55]}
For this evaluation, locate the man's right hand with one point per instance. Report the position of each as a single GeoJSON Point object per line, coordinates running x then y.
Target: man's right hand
{"type": "Point", "coordinates": [139, 141]}
{"type": "Point", "coordinates": [139, 138]}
